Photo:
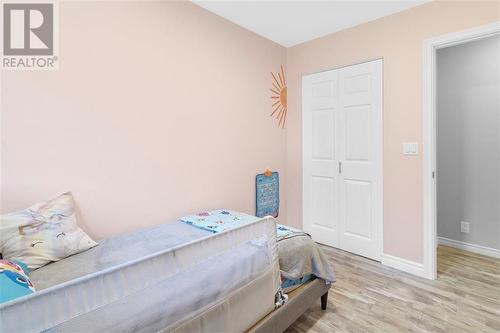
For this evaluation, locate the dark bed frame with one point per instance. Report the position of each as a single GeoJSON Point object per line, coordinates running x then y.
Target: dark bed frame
{"type": "Point", "coordinates": [299, 301]}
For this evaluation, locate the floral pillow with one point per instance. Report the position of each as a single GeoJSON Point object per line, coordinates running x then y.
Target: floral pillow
{"type": "Point", "coordinates": [14, 280]}
{"type": "Point", "coordinates": [43, 233]}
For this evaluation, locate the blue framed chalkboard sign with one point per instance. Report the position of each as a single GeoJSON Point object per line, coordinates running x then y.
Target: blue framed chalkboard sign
{"type": "Point", "coordinates": [267, 187]}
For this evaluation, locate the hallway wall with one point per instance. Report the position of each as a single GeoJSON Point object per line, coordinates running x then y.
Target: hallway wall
{"type": "Point", "coordinates": [468, 142]}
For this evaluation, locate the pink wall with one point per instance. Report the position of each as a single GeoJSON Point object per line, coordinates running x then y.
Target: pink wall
{"type": "Point", "coordinates": [398, 39]}
{"type": "Point", "coordinates": [159, 109]}
{"type": "Point", "coordinates": [152, 118]}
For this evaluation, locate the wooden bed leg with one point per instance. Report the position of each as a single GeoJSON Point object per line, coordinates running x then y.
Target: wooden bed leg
{"type": "Point", "coordinates": [324, 301]}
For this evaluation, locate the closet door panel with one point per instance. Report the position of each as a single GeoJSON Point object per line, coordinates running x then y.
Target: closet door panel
{"type": "Point", "coordinates": [357, 133]}
{"type": "Point", "coordinates": [322, 195]}
{"type": "Point", "coordinates": [320, 157]}
{"type": "Point", "coordinates": [360, 195]}
{"type": "Point", "coordinates": [358, 204]}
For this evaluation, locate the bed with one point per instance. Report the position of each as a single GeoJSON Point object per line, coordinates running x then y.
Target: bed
{"type": "Point", "coordinates": [299, 300]}
{"type": "Point", "coordinates": [153, 276]}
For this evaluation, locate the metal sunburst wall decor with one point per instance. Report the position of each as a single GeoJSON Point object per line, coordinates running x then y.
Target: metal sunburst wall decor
{"type": "Point", "coordinates": [279, 97]}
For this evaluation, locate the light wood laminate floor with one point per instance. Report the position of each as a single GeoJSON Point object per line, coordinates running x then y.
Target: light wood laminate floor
{"type": "Point", "coordinates": [369, 297]}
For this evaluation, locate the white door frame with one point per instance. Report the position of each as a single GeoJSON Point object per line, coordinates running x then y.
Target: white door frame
{"type": "Point", "coordinates": [429, 131]}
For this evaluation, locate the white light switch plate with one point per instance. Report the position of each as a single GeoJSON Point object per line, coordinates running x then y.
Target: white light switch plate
{"type": "Point", "coordinates": [410, 148]}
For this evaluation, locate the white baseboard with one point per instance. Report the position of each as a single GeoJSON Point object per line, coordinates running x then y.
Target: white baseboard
{"type": "Point", "coordinates": [479, 249]}
{"type": "Point", "coordinates": [404, 265]}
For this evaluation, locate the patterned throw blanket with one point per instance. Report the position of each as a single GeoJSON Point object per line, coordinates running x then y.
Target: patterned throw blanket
{"type": "Point", "coordinates": [220, 220]}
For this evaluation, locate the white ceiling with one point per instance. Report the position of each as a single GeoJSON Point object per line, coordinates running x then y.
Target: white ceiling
{"type": "Point", "coordinates": [292, 22]}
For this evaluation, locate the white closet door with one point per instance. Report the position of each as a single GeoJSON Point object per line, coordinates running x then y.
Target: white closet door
{"type": "Point", "coordinates": [342, 158]}
{"type": "Point", "coordinates": [320, 183]}
{"type": "Point", "coordinates": [360, 111]}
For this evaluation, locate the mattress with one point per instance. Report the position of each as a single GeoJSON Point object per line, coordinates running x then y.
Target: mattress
{"type": "Point", "coordinates": [120, 249]}
{"type": "Point", "coordinates": [165, 305]}
{"type": "Point", "coordinates": [149, 281]}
